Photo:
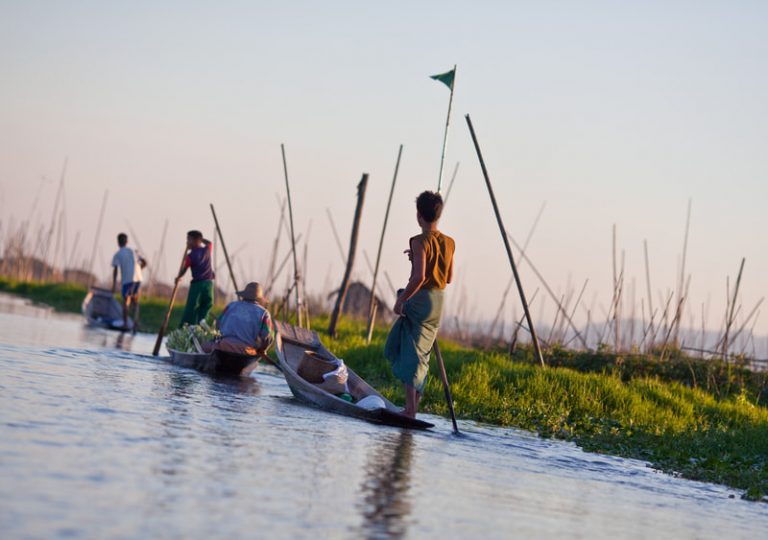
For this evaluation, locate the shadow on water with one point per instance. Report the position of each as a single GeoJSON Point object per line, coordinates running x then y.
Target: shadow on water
{"type": "Point", "coordinates": [386, 503]}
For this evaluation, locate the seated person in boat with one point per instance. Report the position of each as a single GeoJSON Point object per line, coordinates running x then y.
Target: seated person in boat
{"type": "Point", "coordinates": [130, 264]}
{"type": "Point", "coordinates": [246, 325]}
{"type": "Point", "coordinates": [420, 305]}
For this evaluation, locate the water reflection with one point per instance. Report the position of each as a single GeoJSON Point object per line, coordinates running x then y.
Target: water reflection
{"type": "Point", "coordinates": [386, 504]}
{"type": "Point", "coordinates": [107, 338]}
{"type": "Point", "coordinates": [100, 443]}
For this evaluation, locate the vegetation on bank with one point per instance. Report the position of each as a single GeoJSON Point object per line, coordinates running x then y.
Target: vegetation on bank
{"type": "Point", "coordinates": [633, 409]}
{"type": "Point", "coordinates": [700, 419]}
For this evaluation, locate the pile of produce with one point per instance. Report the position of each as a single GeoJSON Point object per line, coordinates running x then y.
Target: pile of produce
{"type": "Point", "coordinates": [181, 338]}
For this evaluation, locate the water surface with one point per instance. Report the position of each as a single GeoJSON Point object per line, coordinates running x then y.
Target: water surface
{"type": "Point", "coordinates": [98, 439]}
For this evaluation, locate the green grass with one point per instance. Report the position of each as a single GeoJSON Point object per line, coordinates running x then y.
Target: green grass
{"type": "Point", "coordinates": [626, 405]}
{"type": "Point", "coordinates": [691, 432]}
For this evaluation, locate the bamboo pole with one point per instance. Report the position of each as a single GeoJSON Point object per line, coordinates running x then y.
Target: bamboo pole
{"type": "Point", "coordinates": [167, 317]}
{"type": "Point", "coordinates": [616, 296]}
{"type": "Point", "coordinates": [450, 186]}
{"type": "Point", "coordinates": [731, 307]}
{"type": "Point", "coordinates": [71, 258]}
{"type": "Point", "coordinates": [158, 259]}
{"type": "Point", "coordinates": [293, 240]}
{"type": "Point", "coordinates": [505, 238]}
{"type": "Point", "coordinates": [224, 249]}
{"type": "Point", "coordinates": [361, 187]}
{"type": "Point", "coordinates": [280, 268]}
{"type": "Point", "coordinates": [336, 235]}
{"type": "Point", "coordinates": [748, 318]}
{"type": "Point", "coordinates": [536, 272]}
{"type": "Point", "coordinates": [681, 294]}
{"type": "Point", "coordinates": [446, 387]}
{"type": "Point", "coordinates": [512, 278]}
{"type": "Point", "coordinates": [304, 273]}
{"type": "Point", "coordinates": [54, 216]}
{"type": "Point", "coordinates": [372, 299]}
{"type": "Point", "coordinates": [96, 237]}
{"type": "Point", "coordinates": [275, 246]}
{"type": "Point", "coordinates": [648, 283]}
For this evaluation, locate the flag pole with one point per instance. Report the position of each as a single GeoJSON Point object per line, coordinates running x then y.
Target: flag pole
{"type": "Point", "coordinates": [445, 135]}
{"type": "Point", "coordinates": [435, 346]}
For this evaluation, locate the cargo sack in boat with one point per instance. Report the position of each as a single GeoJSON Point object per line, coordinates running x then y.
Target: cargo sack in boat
{"type": "Point", "coordinates": [335, 381]}
{"type": "Point", "coordinates": [312, 367]}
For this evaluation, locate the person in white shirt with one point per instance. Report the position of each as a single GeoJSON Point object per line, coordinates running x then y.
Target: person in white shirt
{"type": "Point", "coordinates": [130, 265]}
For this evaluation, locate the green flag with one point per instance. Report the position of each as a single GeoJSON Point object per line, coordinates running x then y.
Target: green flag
{"type": "Point", "coordinates": [445, 78]}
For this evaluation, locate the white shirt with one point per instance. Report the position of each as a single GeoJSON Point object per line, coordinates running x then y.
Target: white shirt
{"type": "Point", "coordinates": [126, 260]}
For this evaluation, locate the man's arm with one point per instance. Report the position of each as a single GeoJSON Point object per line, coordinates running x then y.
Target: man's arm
{"type": "Point", "coordinates": [114, 278]}
{"type": "Point", "coordinates": [418, 276]}
{"type": "Point", "coordinates": [183, 270]}
{"type": "Point", "coordinates": [266, 333]}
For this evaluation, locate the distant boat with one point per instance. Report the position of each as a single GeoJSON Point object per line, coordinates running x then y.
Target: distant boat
{"type": "Point", "coordinates": [291, 346]}
{"type": "Point", "coordinates": [100, 308]}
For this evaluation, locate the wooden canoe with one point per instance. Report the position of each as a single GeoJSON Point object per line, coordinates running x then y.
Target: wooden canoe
{"type": "Point", "coordinates": [100, 308]}
{"type": "Point", "coordinates": [216, 362]}
{"type": "Point", "coordinates": [290, 346]}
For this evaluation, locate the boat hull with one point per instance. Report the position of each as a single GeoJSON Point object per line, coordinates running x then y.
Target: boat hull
{"type": "Point", "coordinates": [216, 362]}
{"type": "Point", "coordinates": [293, 342]}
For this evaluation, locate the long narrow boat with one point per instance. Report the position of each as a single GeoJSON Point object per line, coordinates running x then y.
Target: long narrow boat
{"type": "Point", "coordinates": [216, 362]}
{"type": "Point", "coordinates": [291, 345]}
{"type": "Point", "coordinates": [100, 308]}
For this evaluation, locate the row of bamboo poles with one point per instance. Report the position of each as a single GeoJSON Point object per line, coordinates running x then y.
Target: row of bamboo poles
{"type": "Point", "coordinates": [33, 250]}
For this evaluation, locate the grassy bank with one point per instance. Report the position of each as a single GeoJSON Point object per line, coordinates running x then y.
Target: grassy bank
{"type": "Point", "coordinates": [699, 419]}
{"type": "Point", "coordinates": [68, 297]}
{"type": "Point", "coordinates": [681, 430]}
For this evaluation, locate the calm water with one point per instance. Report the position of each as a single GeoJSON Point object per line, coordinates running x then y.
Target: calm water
{"type": "Point", "coordinates": [98, 439]}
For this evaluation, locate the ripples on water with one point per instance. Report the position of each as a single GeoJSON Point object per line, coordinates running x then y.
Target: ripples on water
{"type": "Point", "coordinates": [98, 439]}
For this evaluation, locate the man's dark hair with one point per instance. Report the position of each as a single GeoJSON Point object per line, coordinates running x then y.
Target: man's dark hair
{"type": "Point", "coordinates": [195, 235]}
{"type": "Point", "coordinates": [122, 239]}
{"type": "Point", "coordinates": [430, 206]}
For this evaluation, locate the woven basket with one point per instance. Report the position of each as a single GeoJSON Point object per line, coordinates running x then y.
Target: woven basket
{"type": "Point", "coordinates": [312, 367]}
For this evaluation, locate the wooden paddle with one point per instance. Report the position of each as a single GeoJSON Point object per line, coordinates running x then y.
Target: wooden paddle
{"type": "Point", "coordinates": [156, 350]}
{"type": "Point", "coordinates": [446, 386]}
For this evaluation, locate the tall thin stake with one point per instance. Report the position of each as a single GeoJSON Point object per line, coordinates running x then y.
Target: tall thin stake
{"type": "Point", "coordinates": [224, 249]}
{"type": "Point", "coordinates": [648, 285]}
{"type": "Point", "coordinates": [372, 299]}
{"type": "Point", "coordinates": [336, 236]}
{"type": "Point", "coordinates": [293, 240]}
{"type": "Point", "coordinates": [450, 186]}
{"type": "Point", "coordinates": [730, 314]}
{"type": "Point", "coordinates": [163, 326]}
{"type": "Point", "coordinates": [96, 237]}
{"type": "Point", "coordinates": [681, 296]}
{"type": "Point", "coordinates": [504, 237]}
{"type": "Point", "coordinates": [361, 188]}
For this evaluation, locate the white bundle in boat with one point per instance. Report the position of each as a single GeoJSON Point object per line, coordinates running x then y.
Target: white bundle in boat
{"type": "Point", "coordinates": [335, 381]}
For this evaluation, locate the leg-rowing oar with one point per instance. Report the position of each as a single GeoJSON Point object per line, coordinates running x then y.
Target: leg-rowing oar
{"type": "Point", "coordinates": [446, 387]}
{"type": "Point", "coordinates": [156, 350]}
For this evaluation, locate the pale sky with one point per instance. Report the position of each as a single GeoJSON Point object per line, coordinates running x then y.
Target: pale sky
{"type": "Point", "coordinates": [608, 113]}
